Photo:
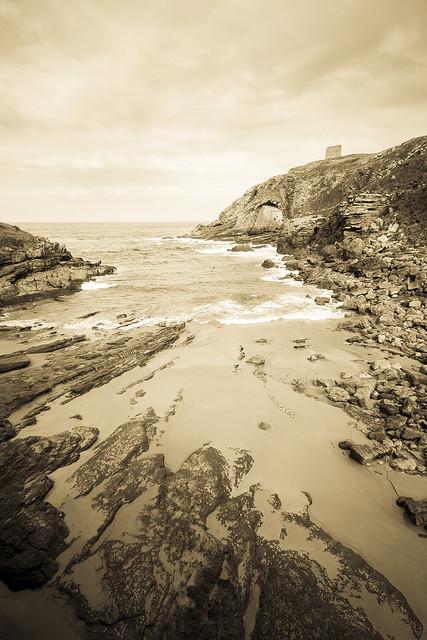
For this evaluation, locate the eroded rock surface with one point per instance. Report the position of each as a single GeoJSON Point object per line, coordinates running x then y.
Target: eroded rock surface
{"type": "Point", "coordinates": [33, 267]}
{"type": "Point", "coordinates": [32, 531]}
{"type": "Point", "coordinates": [75, 371]}
{"type": "Point", "coordinates": [184, 555]}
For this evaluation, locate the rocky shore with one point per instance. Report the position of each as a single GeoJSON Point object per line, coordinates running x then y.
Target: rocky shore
{"type": "Point", "coordinates": [32, 267]}
{"type": "Point", "coordinates": [357, 226]}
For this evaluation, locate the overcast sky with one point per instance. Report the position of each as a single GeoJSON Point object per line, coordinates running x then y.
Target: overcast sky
{"type": "Point", "coordinates": [170, 109]}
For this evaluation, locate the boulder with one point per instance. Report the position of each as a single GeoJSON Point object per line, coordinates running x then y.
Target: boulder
{"type": "Point", "coordinates": [404, 464]}
{"type": "Point", "coordinates": [345, 445]}
{"type": "Point", "coordinates": [416, 378]}
{"type": "Point", "coordinates": [363, 394]}
{"type": "Point", "coordinates": [389, 407]}
{"type": "Point", "coordinates": [241, 247]}
{"type": "Point", "coordinates": [315, 356]}
{"type": "Point", "coordinates": [268, 264]}
{"type": "Point", "coordinates": [416, 510]}
{"type": "Point", "coordinates": [411, 434]}
{"type": "Point", "coordinates": [321, 300]}
{"type": "Point", "coordinates": [336, 394]}
{"type": "Point", "coordinates": [396, 423]}
{"type": "Point", "coordinates": [379, 435]}
{"type": "Point", "coordinates": [365, 453]}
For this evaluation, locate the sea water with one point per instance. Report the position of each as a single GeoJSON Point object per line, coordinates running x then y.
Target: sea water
{"type": "Point", "coordinates": [162, 274]}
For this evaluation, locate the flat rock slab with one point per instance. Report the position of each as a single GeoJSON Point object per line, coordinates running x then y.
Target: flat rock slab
{"type": "Point", "coordinates": [364, 453]}
{"type": "Point", "coordinates": [13, 361]}
{"type": "Point", "coordinates": [62, 343]}
{"type": "Point", "coordinates": [84, 367]}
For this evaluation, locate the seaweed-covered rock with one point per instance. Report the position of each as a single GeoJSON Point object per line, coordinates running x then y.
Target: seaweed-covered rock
{"type": "Point", "coordinates": [33, 532]}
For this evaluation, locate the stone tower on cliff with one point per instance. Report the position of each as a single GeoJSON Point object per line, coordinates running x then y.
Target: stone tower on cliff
{"type": "Point", "coordinates": [333, 152]}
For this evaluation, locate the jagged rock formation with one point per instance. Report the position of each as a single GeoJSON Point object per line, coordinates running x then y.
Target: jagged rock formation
{"type": "Point", "coordinates": [33, 267]}
{"type": "Point", "coordinates": [361, 214]}
{"type": "Point", "coordinates": [32, 531]}
{"type": "Point", "coordinates": [316, 189]}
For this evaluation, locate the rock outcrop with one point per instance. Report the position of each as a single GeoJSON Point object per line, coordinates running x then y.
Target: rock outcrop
{"type": "Point", "coordinates": [313, 191]}
{"type": "Point", "coordinates": [74, 371]}
{"type": "Point", "coordinates": [183, 554]}
{"type": "Point", "coordinates": [32, 531]}
{"type": "Point", "coordinates": [33, 267]}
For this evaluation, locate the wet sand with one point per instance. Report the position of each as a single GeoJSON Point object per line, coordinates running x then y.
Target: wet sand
{"type": "Point", "coordinates": [206, 394]}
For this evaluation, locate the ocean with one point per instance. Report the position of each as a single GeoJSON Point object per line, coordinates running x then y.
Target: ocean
{"type": "Point", "coordinates": [162, 276]}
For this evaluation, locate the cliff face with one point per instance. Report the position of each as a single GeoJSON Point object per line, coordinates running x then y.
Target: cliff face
{"type": "Point", "coordinates": [313, 191]}
{"type": "Point", "coordinates": [33, 267]}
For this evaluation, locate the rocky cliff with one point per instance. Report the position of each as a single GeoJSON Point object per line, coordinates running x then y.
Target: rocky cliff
{"type": "Point", "coordinates": [33, 267]}
{"type": "Point", "coordinates": [309, 194]}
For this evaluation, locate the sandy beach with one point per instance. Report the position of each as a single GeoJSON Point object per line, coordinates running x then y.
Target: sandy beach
{"type": "Point", "coordinates": [206, 393]}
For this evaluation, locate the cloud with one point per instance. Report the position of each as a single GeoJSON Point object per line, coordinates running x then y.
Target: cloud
{"type": "Point", "coordinates": [102, 96]}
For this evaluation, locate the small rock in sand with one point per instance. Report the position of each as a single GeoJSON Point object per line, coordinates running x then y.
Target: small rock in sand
{"type": "Point", "coordinates": [77, 416]}
{"type": "Point", "coordinates": [140, 393]}
{"type": "Point", "coordinates": [264, 426]}
{"type": "Point", "coordinates": [316, 356]}
{"type": "Point", "coordinates": [258, 361]}
{"type": "Point", "coordinates": [262, 341]}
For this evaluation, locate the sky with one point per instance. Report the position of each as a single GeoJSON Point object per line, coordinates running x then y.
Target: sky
{"type": "Point", "coordinates": [168, 110]}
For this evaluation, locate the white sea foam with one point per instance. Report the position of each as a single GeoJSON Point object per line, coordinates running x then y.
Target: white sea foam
{"type": "Point", "coordinates": [152, 321]}
{"type": "Point", "coordinates": [217, 248]}
{"type": "Point", "coordinates": [318, 313]}
{"type": "Point", "coordinates": [91, 285]}
{"type": "Point", "coordinates": [277, 274]}
{"type": "Point", "coordinates": [33, 323]}
{"type": "Point", "coordinates": [286, 307]}
{"type": "Point", "coordinates": [90, 323]}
